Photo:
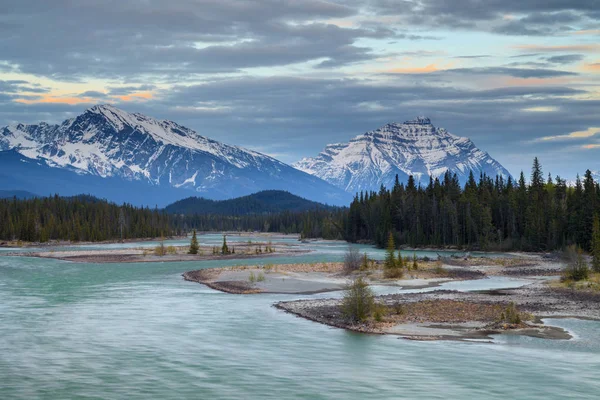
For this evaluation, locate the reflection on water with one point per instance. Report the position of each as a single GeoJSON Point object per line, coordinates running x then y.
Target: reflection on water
{"type": "Point", "coordinates": [138, 331]}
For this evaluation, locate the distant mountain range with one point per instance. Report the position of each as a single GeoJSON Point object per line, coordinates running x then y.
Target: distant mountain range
{"type": "Point", "coordinates": [414, 148]}
{"type": "Point", "coordinates": [110, 153]}
{"type": "Point", "coordinates": [123, 157]}
{"type": "Point", "coordinates": [19, 194]}
{"type": "Point", "coordinates": [265, 202]}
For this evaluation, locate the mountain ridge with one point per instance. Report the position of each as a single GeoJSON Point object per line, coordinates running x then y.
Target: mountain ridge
{"type": "Point", "coordinates": [415, 147]}
{"type": "Point", "coordinates": [107, 142]}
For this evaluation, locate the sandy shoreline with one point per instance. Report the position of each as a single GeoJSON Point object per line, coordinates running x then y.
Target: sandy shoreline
{"type": "Point", "coordinates": [310, 278]}
{"type": "Point", "coordinates": [243, 250]}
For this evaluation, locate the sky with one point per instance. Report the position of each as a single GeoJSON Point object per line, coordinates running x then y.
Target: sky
{"type": "Point", "coordinates": [521, 78]}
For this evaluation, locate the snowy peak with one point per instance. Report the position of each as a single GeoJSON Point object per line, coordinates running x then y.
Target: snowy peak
{"type": "Point", "coordinates": [415, 147]}
{"type": "Point", "coordinates": [108, 142]}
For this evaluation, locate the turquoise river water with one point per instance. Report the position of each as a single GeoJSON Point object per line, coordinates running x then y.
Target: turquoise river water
{"type": "Point", "coordinates": [139, 331]}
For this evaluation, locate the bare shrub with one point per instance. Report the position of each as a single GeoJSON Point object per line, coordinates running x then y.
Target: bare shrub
{"type": "Point", "coordinates": [352, 260]}
{"type": "Point", "coordinates": [577, 268]}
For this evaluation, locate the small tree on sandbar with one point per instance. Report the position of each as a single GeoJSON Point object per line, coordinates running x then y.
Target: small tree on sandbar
{"type": "Point", "coordinates": [358, 302]}
{"type": "Point", "coordinates": [224, 247]}
{"type": "Point", "coordinates": [392, 269]}
{"type": "Point", "coordinates": [194, 246]}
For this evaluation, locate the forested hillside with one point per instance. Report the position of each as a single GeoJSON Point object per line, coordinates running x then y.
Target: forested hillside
{"type": "Point", "coordinates": [265, 202]}
{"type": "Point", "coordinates": [87, 218]}
{"type": "Point", "coordinates": [79, 218]}
{"type": "Point", "coordinates": [489, 213]}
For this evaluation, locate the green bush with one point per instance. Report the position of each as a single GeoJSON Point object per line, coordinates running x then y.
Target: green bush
{"type": "Point", "coordinates": [160, 250]}
{"type": "Point", "coordinates": [358, 302]}
{"type": "Point", "coordinates": [511, 315]}
{"type": "Point", "coordinates": [379, 311]}
{"type": "Point", "coordinates": [171, 250]}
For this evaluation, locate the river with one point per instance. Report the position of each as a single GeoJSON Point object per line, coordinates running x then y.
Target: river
{"type": "Point", "coordinates": [139, 331]}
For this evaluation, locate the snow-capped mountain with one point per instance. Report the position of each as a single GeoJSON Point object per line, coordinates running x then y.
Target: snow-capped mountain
{"type": "Point", "coordinates": [110, 143]}
{"type": "Point", "coordinates": [414, 147]}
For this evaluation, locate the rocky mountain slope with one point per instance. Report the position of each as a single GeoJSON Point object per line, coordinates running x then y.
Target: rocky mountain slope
{"type": "Point", "coordinates": [110, 143]}
{"type": "Point", "coordinates": [414, 147]}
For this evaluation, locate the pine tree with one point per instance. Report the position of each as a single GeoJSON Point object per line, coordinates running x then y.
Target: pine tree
{"type": "Point", "coordinates": [400, 263]}
{"type": "Point", "coordinates": [392, 269]}
{"type": "Point", "coordinates": [224, 248]}
{"type": "Point", "coordinates": [194, 247]}
{"type": "Point", "coordinates": [390, 257]}
{"type": "Point", "coordinates": [415, 264]}
{"type": "Point", "coordinates": [596, 244]}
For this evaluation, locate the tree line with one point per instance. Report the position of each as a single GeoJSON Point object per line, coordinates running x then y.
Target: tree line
{"type": "Point", "coordinates": [79, 218]}
{"type": "Point", "coordinates": [487, 214]}
{"type": "Point", "coordinates": [86, 218]}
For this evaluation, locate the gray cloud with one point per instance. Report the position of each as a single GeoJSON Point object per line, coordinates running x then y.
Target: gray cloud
{"type": "Point", "coordinates": [530, 17]}
{"type": "Point", "coordinates": [93, 93]}
{"type": "Point", "coordinates": [565, 59]}
{"type": "Point", "coordinates": [18, 86]}
{"type": "Point", "coordinates": [126, 40]}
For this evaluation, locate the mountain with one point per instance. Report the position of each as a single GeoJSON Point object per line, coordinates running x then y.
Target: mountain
{"type": "Point", "coordinates": [122, 148]}
{"type": "Point", "coordinates": [414, 147]}
{"type": "Point", "coordinates": [19, 194]}
{"type": "Point", "coordinates": [265, 202]}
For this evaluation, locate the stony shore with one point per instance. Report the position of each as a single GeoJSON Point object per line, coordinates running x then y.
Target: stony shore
{"type": "Point", "coordinates": [437, 315]}
{"type": "Point", "coordinates": [442, 314]}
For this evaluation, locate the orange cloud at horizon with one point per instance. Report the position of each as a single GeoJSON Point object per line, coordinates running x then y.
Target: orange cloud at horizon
{"type": "Point", "coordinates": [47, 98]}
{"type": "Point", "coordinates": [133, 96]}
{"type": "Point", "coordinates": [591, 146]}
{"type": "Point", "coordinates": [73, 100]}
{"type": "Point", "coordinates": [595, 67]}
{"type": "Point", "coordinates": [415, 70]}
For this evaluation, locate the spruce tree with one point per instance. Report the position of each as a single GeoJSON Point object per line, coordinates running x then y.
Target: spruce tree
{"type": "Point", "coordinates": [400, 263]}
{"type": "Point", "coordinates": [194, 247]}
{"type": "Point", "coordinates": [390, 257]}
{"type": "Point", "coordinates": [224, 248]}
{"type": "Point", "coordinates": [392, 269]}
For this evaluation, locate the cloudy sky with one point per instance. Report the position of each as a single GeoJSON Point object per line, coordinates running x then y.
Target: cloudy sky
{"type": "Point", "coordinates": [286, 77]}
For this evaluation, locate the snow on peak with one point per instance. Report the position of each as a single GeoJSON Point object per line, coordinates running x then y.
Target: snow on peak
{"type": "Point", "coordinates": [414, 147]}
{"type": "Point", "coordinates": [108, 141]}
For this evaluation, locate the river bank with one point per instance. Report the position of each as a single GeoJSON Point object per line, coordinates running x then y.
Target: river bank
{"type": "Point", "coordinates": [310, 278]}
{"type": "Point", "coordinates": [433, 315]}
{"type": "Point", "coordinates": [454, 315]}
{"type": "Point", "coordinates": [306, 278]}
{"type": "Point", "coordinates": [165, 251]}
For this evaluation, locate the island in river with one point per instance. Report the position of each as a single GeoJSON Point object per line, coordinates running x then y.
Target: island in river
{"type": "Point", "coordinates": [431, 315]}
